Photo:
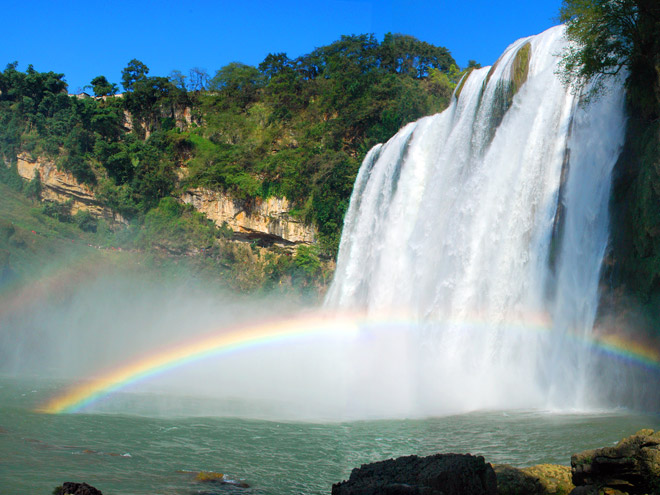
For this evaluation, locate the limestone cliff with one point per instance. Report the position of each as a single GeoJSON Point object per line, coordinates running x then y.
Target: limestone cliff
{"type": "Point", "coordinates": [266, 220]}
{"type": "Point", "coordinates": [61, 186]}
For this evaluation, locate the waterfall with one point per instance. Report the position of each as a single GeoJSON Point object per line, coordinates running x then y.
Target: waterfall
{"type": "Point", "coordinates": [486, 225]}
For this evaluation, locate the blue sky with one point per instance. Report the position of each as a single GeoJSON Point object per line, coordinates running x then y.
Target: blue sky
{"type": "Point", "coordinates": [86, 39]}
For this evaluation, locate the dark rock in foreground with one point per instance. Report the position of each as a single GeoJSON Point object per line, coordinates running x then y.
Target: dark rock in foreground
{"type": "Point", "coordinates": [70, 488]}
{"type": "Point", "coordinates": [440, 474]}
{"type": "Point", "coordinates": [631, 467]}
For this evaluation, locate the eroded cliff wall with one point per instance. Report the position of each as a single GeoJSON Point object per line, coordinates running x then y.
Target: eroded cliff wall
{"type": "Point", "coordinates": [62, 186]}
{"type": "Point", "coordinates": [268, 220]}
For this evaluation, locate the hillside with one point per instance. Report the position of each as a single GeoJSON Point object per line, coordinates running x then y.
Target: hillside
{"type": "Point", "coordinates": [268, 154]}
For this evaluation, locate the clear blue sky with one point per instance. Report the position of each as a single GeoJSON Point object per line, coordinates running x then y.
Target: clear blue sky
{"type": "Point", "coordinates": [86, 39]}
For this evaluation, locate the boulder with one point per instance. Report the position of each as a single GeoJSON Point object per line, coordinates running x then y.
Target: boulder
{"type": "Point", "coordinates": [440, 474]}
{"type": "Point", "coordinates": [542, 479]}
{"type": "Point", "coordinates": [632, 466]}
{"type": "Point", "coordinates": [70, 488]}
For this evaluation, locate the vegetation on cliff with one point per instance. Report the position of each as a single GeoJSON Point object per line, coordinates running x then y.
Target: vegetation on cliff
{"type": "Point", "coordinates": [610, 37]}
{"type": "Point", "coordinates": [297, 128]}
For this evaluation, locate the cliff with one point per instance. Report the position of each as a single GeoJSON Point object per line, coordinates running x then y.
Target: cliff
{"type": "Point", "coordinates": [631, 277]}
{"type": "Point", "coordinates": [61, 186]}
{"type": "Point", "coordinates": [267, 221]}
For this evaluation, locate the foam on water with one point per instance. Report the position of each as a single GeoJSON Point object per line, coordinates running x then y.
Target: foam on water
{"type": "Point", "coordinates": [467, 213]}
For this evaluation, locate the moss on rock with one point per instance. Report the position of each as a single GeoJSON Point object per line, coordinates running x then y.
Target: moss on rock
{"type": "Point", "coordinates": [542, 479]}
{"type": "Point", "coordinates": [507, 89]}
{"type": "Point", "coordinates": [206, 476]}
{"type": "Point", "coordinates": [461, 83]}
{"type": "Point", "coordinates": [520, 67]}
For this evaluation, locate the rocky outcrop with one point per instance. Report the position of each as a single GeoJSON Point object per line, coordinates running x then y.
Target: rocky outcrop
{"type": "Point", "coordinates": [542, 479]}
{"type": "Point", "coordinates": [440, 474]}
{"type": "Point", "coordinates": [70, 488]}
{"type": "Point", "coordinates": [213, 478]}
{"type": "Point", "coordinates": [265, 220]}
{"type": "Point", "coordinates": [630, 467]}
{"type": "Point", "coordinates": [61, 186]}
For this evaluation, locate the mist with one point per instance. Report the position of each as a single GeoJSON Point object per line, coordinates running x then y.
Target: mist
{"type": "Point", "coordinates": [74, 334]}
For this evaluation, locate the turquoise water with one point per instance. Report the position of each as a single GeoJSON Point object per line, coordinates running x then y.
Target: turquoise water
{"type": "Point", "coordinates": [139, 454]}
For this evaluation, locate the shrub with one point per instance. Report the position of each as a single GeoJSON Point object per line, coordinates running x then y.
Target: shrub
{"type": "Point", "coordinates": [85, 221]}
{"type": "Point", "coordinates": [58, 211]}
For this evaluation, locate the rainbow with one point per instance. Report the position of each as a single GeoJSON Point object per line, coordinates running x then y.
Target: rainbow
{"type": "Point", "coordinates": [313, 325]}
{"type": "Point", "coordinates": [626, 349]}
{"type": "Point", "coordinates": [219, 343]}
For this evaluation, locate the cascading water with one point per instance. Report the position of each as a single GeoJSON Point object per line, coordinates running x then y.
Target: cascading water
{"type": "Point", "coordinates": [487, 224]}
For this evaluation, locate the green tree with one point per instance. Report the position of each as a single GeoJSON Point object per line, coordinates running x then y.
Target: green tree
{"type": "Point", "coordinates": [283, 90]}
{"type": "Point", "coordinates": [102, 87]}
{"type": "Point", "coordinates": [133, 73]}
{"type": "Point", "coordinates": [275, 64]}
{"type": "Point", "coordinates": [404, 54]}
{"type": "Point", "coordinates": [33, 188]}
{"type": "Point", "coordinates": [85, 221]}
{"type": "Point", "coordinates": [307, 261]}
{"type": "Point", "coordinates": [238, 82]}
{"type": "Point", "coordinates": [608, 36]}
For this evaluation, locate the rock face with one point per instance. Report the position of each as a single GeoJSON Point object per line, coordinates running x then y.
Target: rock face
{"type": "Point", "coordinates": [440, 474]}
{"type": "Point", "coordinates": [268, 220]}
{"type": "Point", "coordinates": [630, 467]}
{"type": "Point", "coordinates": [542, 479]}
{"type": "Point", "coordinates": [70, 488]}
{"type": "Point", "coordinates": [61, 186]}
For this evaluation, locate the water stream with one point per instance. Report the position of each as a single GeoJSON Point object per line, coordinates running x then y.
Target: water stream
{"type": "Point", "coordinates": [489, 232]}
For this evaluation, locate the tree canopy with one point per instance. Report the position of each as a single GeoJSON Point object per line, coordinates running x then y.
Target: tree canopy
{"type": "Point", "coordinates": [608, 36]}
{"type": "Point", "coordinates": [134, 72]}
{"type": "Point", "coordinates": [102, 87]}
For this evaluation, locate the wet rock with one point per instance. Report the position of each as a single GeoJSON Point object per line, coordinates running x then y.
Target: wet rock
{"type": "Point", "coordinates": [440, 474]}
{"type": "Point", "coordinates": [542, 479]}
{"type": "Point", "coordinates": [209, 476]}
{"type": "Point", "coordinates": [630, 467]}
{"type": "Point", "coordinates": [213, 478]}
{"type": "Point", "coordinates": [69, 488]}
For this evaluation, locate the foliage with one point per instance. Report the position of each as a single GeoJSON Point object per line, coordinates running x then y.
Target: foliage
{"type": "Point", "coordinates": [307, 260]}
{"type": "Point", "coordinates": [300, 127]}
{"type": "Point", "coordinates": [290, 127]}
{"type": "Point", "coordinates": [59, 211]}
{"type": "Point", "coordinates": [607, 37]}
{"type": "Point", "coordinates": [33, 188]}
{"type": "Point", "coordinates": [85, 221]}
{"type": "Point", "coordinates": [177, 228]}
{"type": "Point", "coordinates": [403, 54]}
{"type": "Point", "coordinates": [133, 73]}
{"type": "Point", "coordinates": [9, 176]}
{"type": "Point", "coordinates": [102, 87]}
{"type": "Point", "coordinates": [238, 82]}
